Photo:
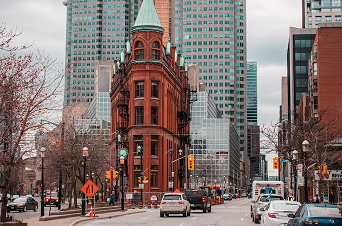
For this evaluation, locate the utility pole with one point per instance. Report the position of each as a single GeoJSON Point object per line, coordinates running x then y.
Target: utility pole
{"type": "Point", "coordinates": [170, 173]}
{"type": "Point", "coordinates": [186, 167]}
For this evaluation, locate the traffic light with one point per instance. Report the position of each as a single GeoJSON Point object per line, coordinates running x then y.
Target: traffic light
{"type": "Point", "coordinates": [325, 169]}
{"type": "Point", "coordinates": [320, 169]}
{"type": "Point", "coordinates": [115, 174]}
{"type": "Point", "coordinates": [275, 163]}
{"type": "Point", "coordinates": [139, 179]}
{"type": "Point", "coordinates": [145, 178]}
{"type": "Point", "coordinates": [190, 162]}
{"type": "Point", "coordinates": [58, 143]}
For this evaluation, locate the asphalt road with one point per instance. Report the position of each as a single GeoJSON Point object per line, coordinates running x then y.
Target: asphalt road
{"type": "Point", "coordinates": [233, 213]}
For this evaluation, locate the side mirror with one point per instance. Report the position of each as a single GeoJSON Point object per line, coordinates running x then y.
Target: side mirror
{"type": "Point", "coordinates": [253, 201]}
{"type": "Point", "coordinates": [262, 209]}
{"type": "Point", "coordinates": [291, 215]}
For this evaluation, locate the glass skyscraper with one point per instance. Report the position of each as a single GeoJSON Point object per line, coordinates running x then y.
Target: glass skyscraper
{"type": "Point", "coordinates": [212, 35]}
{"type": "Point", "coordinates": [317, 11]}
{"type": "Point", "coordinates": [95, 30]}
{"type": "Point", "coordinates": [252, 93]}
{"type": "Point", "coordinates": [215, 145]}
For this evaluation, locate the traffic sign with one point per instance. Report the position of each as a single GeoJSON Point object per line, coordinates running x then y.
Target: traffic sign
{"type": "Point", "coordinates": [170, 184]}
{"type": "Point", "coordinates": [123, 152]}
{"type": "Point", "coordinates": [145, 181]}
{"type": "Point", "coordinates": [141, 186]}
{"type": "Point", "coordinates": [89, 189]}
{"type": "Point", "coordinates": [154, 198]}
{"type": "Point", "coordinates": [190, 162]}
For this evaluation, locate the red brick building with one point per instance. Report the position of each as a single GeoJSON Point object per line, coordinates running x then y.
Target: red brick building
{"type": "Point", "coordinates": [325, 74]}
{"type": "Point", "coordinates": [150, 108]}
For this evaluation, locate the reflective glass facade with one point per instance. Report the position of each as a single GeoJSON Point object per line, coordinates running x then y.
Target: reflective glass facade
{"type": "Point", "coordinates": [95, 30]}
{"type": "Point", "coordinates": [318, 11]}
{"type": "Point", "coordinates": [99, 108]}
{"type": "Point", "coordinates": [252, 93]}
{"type": "Point", "coordinates": [215, 145]}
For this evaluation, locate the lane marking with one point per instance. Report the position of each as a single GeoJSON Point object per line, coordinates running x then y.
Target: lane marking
{"type": "Point", "coordinates": [246, 214]}
{"type": "Point", "coordinates": [194, 218]}
{"type": "Point", "coordinates": [242, 219]}
{"type": "Point", "coordinates": [181, 224]}
{"type": "Point", "coordinates": [145, 218]}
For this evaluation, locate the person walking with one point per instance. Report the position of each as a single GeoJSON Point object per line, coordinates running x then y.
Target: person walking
{"type": "Point", "coordinates": [111, 199]}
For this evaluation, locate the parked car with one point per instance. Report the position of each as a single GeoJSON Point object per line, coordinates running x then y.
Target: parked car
{"type": "Point", "coordinates": [234, 196]}
{"type": "Point", "coordinates": [316, 214]}
{"type": "Point", "coordinates": [22, 204]}
{"type": "Point", "coordinates": [29, 195]}
{"type": "Point", "coordinates": [275, 213]}
{"type": "Point", "coordinates": [238, 195]}
{"type": "Point", "coordinates": [174, 203]}
{"type": "Point", "coordinates": [52, 197]}
{"type": "Point", "coordinates": [261, 202]}
{"type": "Point", "coordinates": [198, 199]}
{"type": "Point", "coordinates": [8, 197]}
{"type": "Point", "coordinates": [227, 197]}
{"type": "Point", "coordinates": [244, 194]}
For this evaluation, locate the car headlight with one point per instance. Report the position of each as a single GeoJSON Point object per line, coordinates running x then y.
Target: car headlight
{"type": "Point", "coordinates": [20, 204]}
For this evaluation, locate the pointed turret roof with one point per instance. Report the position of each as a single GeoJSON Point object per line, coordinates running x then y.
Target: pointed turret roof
{"type": "Point", "coordinates": [147, 18]}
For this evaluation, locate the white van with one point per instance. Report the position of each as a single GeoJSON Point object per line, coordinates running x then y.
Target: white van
{"type": "Point", "coordinates": [267, 187]}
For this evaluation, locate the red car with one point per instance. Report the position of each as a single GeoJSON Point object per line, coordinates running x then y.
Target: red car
{"type": "Point", "coordinates": [238, 195]}
{"type": "Point", "coordinates": [53, 198]}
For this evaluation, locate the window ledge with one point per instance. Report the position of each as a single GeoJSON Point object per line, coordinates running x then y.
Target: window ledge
{"type": "Point", "coordinates": [139, 98]}
{"type": "Point", "coordinates": [155, 98]}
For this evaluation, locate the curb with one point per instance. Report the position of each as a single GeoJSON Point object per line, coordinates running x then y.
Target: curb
{"type": "Point", "coordinates": [100, 218]}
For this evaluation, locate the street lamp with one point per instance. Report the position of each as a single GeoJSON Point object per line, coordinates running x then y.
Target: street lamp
{"type": "Point", "coordinates": [42, 151]}
{"type": "Point", "coordinates": [85, 154]}
{"type": "Point", "coordinates": [306, 149]}
{"type": "Point", "coordinates": [141, 171]}
{"type": "Point", "coordinates": [295, 158]}
{"type": "Point", "coordinates": [118, 140]}
{"type": "Point", "coordinates": [122, 162]}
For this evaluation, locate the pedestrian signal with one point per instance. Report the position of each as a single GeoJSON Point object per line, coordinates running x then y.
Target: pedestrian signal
{"type": "Point", "coordinates": [115, 174]}
{"type": "Point", "coordinates": [275, 163]}
{"type": "Point", "coordinates": [139, 179]}
{"type": "Point", "coordinates": [190, 162]}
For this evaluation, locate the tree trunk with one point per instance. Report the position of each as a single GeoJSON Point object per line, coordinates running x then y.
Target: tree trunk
{"type": "Point", "coordinates": [4, 200]}
{"type": "Point", "coordinates": [75, 196]}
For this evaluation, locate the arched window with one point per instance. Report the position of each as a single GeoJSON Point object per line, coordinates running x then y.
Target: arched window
{"type": "Point", "coordinates": [139, 50]}
{"type": "Point", "coordinates": [155, 51]}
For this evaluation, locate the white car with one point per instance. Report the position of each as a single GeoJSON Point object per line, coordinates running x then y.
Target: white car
{"type": "Point", "coordinates": [174, 203]}
{"type": "Point", "coordinates": [275, 213]}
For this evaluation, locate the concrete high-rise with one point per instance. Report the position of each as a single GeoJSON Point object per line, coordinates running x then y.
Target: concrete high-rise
{"type": "Point", "coordinates": [252, 93]}
{"type": "Point", "coordinates": [212, 35]}
{"type": "Point", "coordinates": [317, 11]}
{"type": "Point", "coordinates": [95, 30]}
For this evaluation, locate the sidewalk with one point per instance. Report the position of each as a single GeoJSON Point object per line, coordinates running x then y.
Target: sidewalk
{"type": "Point", "coordinates": [73, 221]}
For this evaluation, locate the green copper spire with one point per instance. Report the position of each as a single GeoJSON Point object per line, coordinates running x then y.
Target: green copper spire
{"type": "Point", "coordinates": [147, 19]}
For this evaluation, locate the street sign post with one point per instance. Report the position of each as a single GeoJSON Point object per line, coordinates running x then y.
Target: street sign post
{"type": "Point", "coordinates": [170, 184]}
{"type": "Point", "coordinates": [141, 186]}
{"type": "Point", "coordinates": [89, 189]}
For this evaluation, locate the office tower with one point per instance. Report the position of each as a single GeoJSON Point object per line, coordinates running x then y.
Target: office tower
{"type": "Point", "coordinates": [214, 145]}
{"type": "Point", "coordinates": [164, 13]}
{"type": "Point", "coordinates": [252, 93]}
{"type": "Point", "coordinates": [317, 11]}
{"type": "Point", "coordinates": [298, 54]}
{"type": "Point", "coordinates": [212, 35]}
{"type": "Point", "coordinates": [95, 30]}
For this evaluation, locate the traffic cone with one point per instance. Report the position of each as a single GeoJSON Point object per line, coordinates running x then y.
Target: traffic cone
{"type": "Point", "coordinates": [91, 212]}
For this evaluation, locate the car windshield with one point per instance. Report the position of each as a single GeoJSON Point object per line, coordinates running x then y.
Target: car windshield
{"type": "Point", "coordinates": [55, 195]}
{"type": "Point", "coordinates": [195, 193]}
{"type": "Point", "coordinates": [19, 200]}
{"type": "Point", "coordinates": [285, 206]}
{"type": "Point", "coordinates": [325, 212]}
{"type": "Point", "coordinates": [172, 197]}
{"type": "Point", "coordinates": [268, 198]}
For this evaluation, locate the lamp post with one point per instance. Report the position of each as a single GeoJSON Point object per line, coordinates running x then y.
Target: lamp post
{"type": "Point", "coordinates": [85, 154]}
{"type": "Point", "coordinates": [170, 180]}
{"type": "Point", "coordinates": [295, 158]}
{"type": "Point", "coordinates": [305, 145]}
{"type": "Point", "coordinates": [118, 139]}
{"type": "Point", "coordinates": [42, 151]}
{"type": "Point", "coordinates": [141, 170]}
{"type": "Point", "coordinates": [122, 162]}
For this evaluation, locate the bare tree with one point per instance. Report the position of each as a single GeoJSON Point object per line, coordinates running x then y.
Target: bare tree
{"type": "Point", "coordinates": [30, 84]}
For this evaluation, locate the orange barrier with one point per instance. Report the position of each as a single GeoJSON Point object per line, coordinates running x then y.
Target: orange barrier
{"type": "Point", "coordinates": [212, 201]}
{"type": "Point", "coordinates": [132, 205]}
{"type": "Point", "coordinates": [155, 204]}
{"type": "Point", "coordinates": [91, 211]}
{"type": "Point", "coordinates": [149, 204]}
{"type": "Point", "coordinates": [140, 205]}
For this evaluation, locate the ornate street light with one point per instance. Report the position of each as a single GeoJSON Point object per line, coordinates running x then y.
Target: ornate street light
{"type": "Point", "coordinates": [122, 162]}
{"type": "Point", "coordinates": [306, 149]}
{"type": "Point", "coordinates": [42, 152]}
{"type": "Point", "coordinates": [85, 154]}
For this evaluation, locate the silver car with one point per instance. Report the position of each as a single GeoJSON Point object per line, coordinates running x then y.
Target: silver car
{"type": "Point", "coordinates": [276, 212]}
{"type": "Point", "coordinates": [261, 202]}
{"type": "Point", "coordinates": [174, 203]}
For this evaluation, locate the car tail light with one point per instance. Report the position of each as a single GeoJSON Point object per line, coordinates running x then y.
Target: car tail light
{"type": "Point", "coordinates": [182, 203]}
{"type": "Point", "coordinates": [46, 200]}
{"type": "Point", "coordinates": [272, 215]}
{"type": "Point", "coordinates": [312, 221]}
{"type": "Point", "coordinates": [56, 200]}
{"type": "Point", "coordinates": [203, 199]}
{"type": "Point", "coordinates": [162, 203]}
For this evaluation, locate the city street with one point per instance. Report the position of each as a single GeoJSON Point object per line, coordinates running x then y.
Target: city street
{"type": "Point", "coordinates": [234, 213]}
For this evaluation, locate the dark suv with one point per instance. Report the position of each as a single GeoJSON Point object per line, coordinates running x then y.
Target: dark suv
{"type": "Point", "coordinates": [198, 199]}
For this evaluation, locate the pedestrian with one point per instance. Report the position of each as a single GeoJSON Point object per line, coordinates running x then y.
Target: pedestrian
{"type": "Point", "coordinates": [111, 199]}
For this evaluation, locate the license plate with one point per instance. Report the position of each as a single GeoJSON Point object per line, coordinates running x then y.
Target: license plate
{"type": "Point", "coordinates": [192, 204]}
{"type": "Point", "coordinates": [12, 207]}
